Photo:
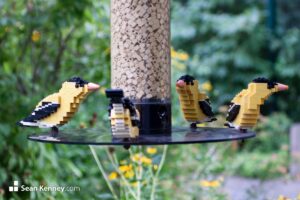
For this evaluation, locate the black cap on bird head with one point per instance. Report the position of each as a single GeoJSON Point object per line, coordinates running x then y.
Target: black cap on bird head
{"type": "Point", "coordinates": [78, 81]}
{"type": "Point", "coordinates": [271, 84]}
{"type": "Point", "coordinates": [187, 79]}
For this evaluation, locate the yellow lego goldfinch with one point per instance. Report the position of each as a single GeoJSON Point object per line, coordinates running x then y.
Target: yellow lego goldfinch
{"type": "Point", "coordinates": [124, 117]}
{"type": "Point", "coordinates": [244, 110]}
{"type": "Point", "coordinates": [195, 105]}
{"type": "Point", "coordinates": [58, 108]}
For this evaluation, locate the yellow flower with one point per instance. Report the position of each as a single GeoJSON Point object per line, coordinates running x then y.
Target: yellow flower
{"type": "Point", "coordinates": [129, 174]}
{"type": "Point", "coordinates": [155, 167]}
{"type": "Point", "coordinates": [281, 197]}
{"type": "Point", "coordinates": [125, 168]}
{"type": "Point", "coordinates": [151, 150]}
{"type": "Point", "coordinates": [113, 176]}
{"type": "Point", "coordinates": [178, 55]}
{"type": "Point", "coordinates": [146, 161]}
{"type": "Point", "coordinates": [213, 184]}
{"type": "Point", "coordinates": [173, 52]}
{"type": "Point", "coordinates": [136, 157]}
{"type": "Point", "coordinates": [207, 86]}
{"type": "Point", "coordinates": [35, 36]}
{"type": "Point", "coordinates": [140, 158]}
{"type": "Point", "coordinates": [298, 197]}
{"type": "Point", "coordinates": [183, 56]}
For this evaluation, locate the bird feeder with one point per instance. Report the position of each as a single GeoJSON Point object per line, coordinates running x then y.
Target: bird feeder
{"type": "Point", "coordinates": [141, 67]}
{"type": "Point", "coordinates": [140, 59]}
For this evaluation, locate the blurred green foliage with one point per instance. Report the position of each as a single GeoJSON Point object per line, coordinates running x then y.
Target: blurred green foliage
{"type": "Point", "coordinates": [230, 45]}
{"type": "Point", "coordinates": [267, 155]}
{"type": "Point", "coordinates": [43, 43]}
{"type": "Point", "coordinates": [273, 133]}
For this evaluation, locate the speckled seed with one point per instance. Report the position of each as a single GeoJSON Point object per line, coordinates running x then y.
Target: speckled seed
{"type": "Point", "coordinates": [140, 48]}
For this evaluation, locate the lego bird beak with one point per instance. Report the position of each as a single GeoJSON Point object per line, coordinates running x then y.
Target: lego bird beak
{"type": "Point", "coordinates": [180, 83]}
{"type": "Point", "coordinates": [93, 87]}
{"type": "Point", "coordinates": [282, 87]}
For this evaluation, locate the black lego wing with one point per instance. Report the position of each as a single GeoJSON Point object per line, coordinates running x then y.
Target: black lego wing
{"type": "Point", "coordinates": [43, 111]}
{"type": "Point", "coordinates": [233, 112]}
{"type": "Point", "coordinates": [206, 108]}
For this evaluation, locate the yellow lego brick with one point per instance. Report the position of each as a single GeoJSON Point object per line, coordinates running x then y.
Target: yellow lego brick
{"type": "Point", "coordinates": [125, 128]}
{"type": "Point", "coordinates": [246, 105]}
{"type": "Point", "coordinates": [189, 98]}
{"type": "Point", "coordinates": [58, 108]}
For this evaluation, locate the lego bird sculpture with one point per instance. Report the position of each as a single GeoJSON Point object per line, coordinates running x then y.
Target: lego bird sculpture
{"type": "Point", "coordinates": [124, 117]}
{"type": "Point", "coordinates": [57, 109]}
{"type": "Point", "coordinates": [194, 104]}
{"type": "Point", "coordinates": [244, 109]}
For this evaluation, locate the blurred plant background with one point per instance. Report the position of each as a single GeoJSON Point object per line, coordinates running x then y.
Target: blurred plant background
{"type": "Point", "coordinates": [223, 43]}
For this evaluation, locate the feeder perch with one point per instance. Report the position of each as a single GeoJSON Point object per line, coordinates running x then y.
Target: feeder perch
{"type": "Point", "coordinates": [141, 67]}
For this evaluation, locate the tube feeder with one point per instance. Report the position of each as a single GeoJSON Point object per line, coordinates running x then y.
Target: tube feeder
{"type": "Point", "coordinates": [140, 58]}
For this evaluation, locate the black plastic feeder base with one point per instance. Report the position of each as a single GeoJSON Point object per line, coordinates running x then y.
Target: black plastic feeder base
{"type": "Point", "coordinates": [178, 136]}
